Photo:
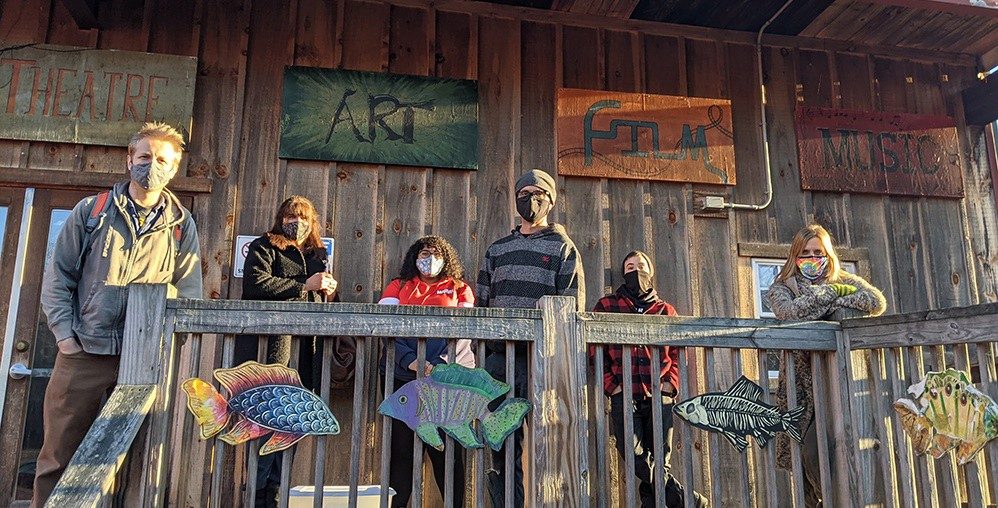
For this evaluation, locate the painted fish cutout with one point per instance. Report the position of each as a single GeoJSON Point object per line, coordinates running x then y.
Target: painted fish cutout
{"type": "Point", "coordinates": [948, 413]}
{"type": "Point", "coordinates": [452, 398]}
{"type": "Point", "coordinates": [738, 413]}
{"type": "Point", "coordinates": [263, 399]}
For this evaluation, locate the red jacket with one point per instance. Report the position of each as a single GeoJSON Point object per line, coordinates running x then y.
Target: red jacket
{"type": "Point", "coordinates": [641, 368]}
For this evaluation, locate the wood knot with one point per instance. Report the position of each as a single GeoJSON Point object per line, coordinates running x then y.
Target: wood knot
{"type": "Point", "coordinates": [358, 233]}
{"type": "Point", "coordinates": [342, 175]}
{"type": "Point", "coordinates": [672, 217]}
{"type": "Point", "coordinates": [397, 226]}
{"type": "Point", "coordinates": [358, 288]}
{"type": "Point", "coordinates": [956, 279]}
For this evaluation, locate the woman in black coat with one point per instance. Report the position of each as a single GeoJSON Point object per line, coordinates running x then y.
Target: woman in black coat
{"type": "Point", "coordinates": [289, 264]}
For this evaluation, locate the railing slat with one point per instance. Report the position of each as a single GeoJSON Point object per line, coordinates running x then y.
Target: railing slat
{"type": "Point", "coordinates": [743, 471]}
{"type": "Point", "coordinates": [818, 392]}
{"type": "Point", "coordinates": [901, 448]}
{"type": "Point", "coordinates": [183, 469]}
{"type": "Point", "coordinates": [971, 470]}
{"type": "Point", "coordinates": [416, 500]}
{"type": "Point", "coordinates": [688, 380]}
{"type": "Point", "coordinates": [602, 477]}
{"type": "Point", "coordinates": [947, 480]}
{"type": "Point", "coordinates": [508, 469]}
{"type": "Point", "coordinates": [660, 469]}
{"type": "Point", "coordinates": [287, 455]}
{"type": "Point", "coordinates": [986, 364]}
{"type": "Point", "coordinates": [926, 468]}
{"type": "Point", "coordinates": [480, 474]}
{"type": "Point", "coordinates": [840, 371]}
{"type": "Point", "coordinates": [325, 379]}
{"type": "Point", "coordinates": [357, 423]}
{"type": "Point", "coordinates": [767, 456]}
{"type": "Point", "coordinates": [627, 411]}
{"type": "Point", "coordinates": [797, 470]}
{"type": "Point", "coordinates": [228, 346]}
{"type": "Point", "coordinates": [886, 449]}
{"type": "Point", "coordinates": [386, 421]}
{"type": "Point", "coordinates": [253, 454]}
{"type": "Point", "coordinates": [448, 493]}
{"type": "Point", "coordinates": [713, 442]}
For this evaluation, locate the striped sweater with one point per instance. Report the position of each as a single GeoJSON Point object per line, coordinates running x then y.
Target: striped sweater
{"type": "Point", "coordinates": [518, 270]}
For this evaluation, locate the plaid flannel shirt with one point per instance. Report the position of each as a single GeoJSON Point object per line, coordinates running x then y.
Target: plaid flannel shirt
{"type": "Point", "coordinates": [641, 367]}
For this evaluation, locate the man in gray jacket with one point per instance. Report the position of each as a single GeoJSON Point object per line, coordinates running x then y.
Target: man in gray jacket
{"type": "Point", "coordinates": [138, 232]}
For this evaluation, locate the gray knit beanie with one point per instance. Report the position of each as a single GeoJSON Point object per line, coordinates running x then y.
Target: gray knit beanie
{"type": "Point", "coordinates": [539, 179]}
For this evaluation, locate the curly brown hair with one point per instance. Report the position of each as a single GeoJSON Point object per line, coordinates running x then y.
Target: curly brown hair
{"type": "Point", "coordinates": [452, 265]}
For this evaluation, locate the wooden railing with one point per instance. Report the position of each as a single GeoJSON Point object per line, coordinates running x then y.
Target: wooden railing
{"type": "Point", "coordinates": [143, 449]}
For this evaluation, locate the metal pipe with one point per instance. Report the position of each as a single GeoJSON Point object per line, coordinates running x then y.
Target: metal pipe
{"type": "Point", "coordinates": [764, 123]}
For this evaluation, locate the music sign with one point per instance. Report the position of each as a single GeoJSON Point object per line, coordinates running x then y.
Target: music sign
{"type": "Point", "coordinates": [878, 153]}
{"type": "Point", "coordinates": [646, 137]}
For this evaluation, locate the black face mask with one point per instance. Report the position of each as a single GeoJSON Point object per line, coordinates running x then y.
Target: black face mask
{"type": "Point", "coordinates": [532, 208]}
{"type": "Point", "coordinates": [638, 282]}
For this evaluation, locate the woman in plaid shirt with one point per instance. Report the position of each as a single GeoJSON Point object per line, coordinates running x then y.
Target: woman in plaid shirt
{"type": "Point", "coordinates": [637, 296]}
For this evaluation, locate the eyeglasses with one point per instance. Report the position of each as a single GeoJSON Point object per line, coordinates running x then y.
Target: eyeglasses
{"type": "Point", "coordinates": [537, 194]}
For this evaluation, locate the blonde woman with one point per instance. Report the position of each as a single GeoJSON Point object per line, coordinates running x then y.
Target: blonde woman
{"type": "Point", "coordinates": [811, 286]}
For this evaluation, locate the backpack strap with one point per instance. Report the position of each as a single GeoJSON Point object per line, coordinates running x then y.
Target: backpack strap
{"type": "Point", "coordinates": [94, 221]}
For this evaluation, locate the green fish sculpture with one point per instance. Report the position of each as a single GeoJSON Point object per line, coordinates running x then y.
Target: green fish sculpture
{"type": "Point", "coordinates": [948, 413]}
{"type": "Point", "coordinates": [452, 398]}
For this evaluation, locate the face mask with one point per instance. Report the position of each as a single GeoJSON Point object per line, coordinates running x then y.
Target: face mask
{"type": "Point", "coordinates": [296, 231]}
{"type": "Point", "coordinates": [430, 266]}
{"type": "Point", "coordinates": [812, 268]}
{"type": "Point", "coordinates": [532, 208]}
{"type": "Point", "coordinates": [638, 282]}
{"type": "Point", "coordinates": [152, 177]}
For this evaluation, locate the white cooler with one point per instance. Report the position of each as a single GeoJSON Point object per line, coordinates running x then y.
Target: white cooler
{"type": "Point", "coordinates": [368, 496]}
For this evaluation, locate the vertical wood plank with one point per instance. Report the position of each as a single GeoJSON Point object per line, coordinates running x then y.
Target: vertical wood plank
{"type": "Point", "coordinates": [456, 57]}
{"type": "Point", "coordinates": [583, 67]}
{"type": "Point", "coordinates": [767, 456]}
{"type": "Point", "coordinates": [906, 488]}
{"type": "Point", "coordinates": [539, 63]}
{"type": "Point", "coordinates": [687, 375]}
{"type": "Point", "coordinates": [25, 21]}
{"type": "Point", "coordinates": [797, 470]}
{"type": "Point", "coordinates": [601, 479]}
{"type": "Point", "coordinates": [498, 135]}
{"type": "Point", "coordinates": [713, 441]}
{"type": "Point", "coordinates": [356, 428]}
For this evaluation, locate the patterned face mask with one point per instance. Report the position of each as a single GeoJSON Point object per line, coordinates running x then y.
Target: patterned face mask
{"type": "Point", "coordinates": [430, 266]}
{"type": "Point", "coordinates": [297, 231]}
{"type": "Point", "coordinates": [813, 267]}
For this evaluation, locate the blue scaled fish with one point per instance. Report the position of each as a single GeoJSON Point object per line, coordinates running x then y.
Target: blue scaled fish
{"type": "Point", "coordinates": [452, 398]}
{"type": "Point", "coordinates": [740, 412]}
{"type": "Point", "coordinates": [262, 399]}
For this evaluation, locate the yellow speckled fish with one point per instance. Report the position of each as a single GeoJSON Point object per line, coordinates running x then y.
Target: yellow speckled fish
{"type": "Point", "coordinates": [948, 412]}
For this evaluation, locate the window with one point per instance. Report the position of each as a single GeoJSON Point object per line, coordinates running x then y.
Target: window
{"type": "Point", "coordinates": [764, 272]}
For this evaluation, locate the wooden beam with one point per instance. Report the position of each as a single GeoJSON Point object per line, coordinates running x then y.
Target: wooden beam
{"type": "Point", "coordinates": [90, 475]}
{"type": "Point", "coordinates": [980, 101]}
{"type": "Point", "coordinates": [486, 9]}
{"type": "Point", "coordinates": [17, 177]}
{"type": "Point", "coordinates": [961, 7]}
{"type": "Point", "coordinates": [83, 12]}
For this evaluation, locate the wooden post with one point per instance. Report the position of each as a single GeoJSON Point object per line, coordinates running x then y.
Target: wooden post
{"type": "Point", "coordinates": [560, 456]}
{"type": "Point", "coordinates": [148, 357]}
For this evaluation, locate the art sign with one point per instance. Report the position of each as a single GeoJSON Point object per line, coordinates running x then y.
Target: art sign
{"type": "Point", "coordinates": [878, 153]}
{"type": "Point", "coordinates": [646, 137]}
{"type": "Point", "coordinates": [948, 413]}
{"type": "Point", "coordinates": [453, 398]}
{"type": "Point", "coordinates": [263, 399]}
{"type": "Point", "coordinates": [738, 413]}
{"type": "Point", "coordinates": [96, 97]}
{"type": "Point", "coordinates": [337, 115]}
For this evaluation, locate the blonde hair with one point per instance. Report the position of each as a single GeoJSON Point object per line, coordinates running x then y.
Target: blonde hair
{"type": "Point", "coordinates": [157, 130]}
{"type": "Point", "coordinates": [800, 241]}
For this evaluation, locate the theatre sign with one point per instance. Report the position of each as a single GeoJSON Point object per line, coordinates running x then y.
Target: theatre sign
{"type": "Point", "coordinates": [878, 153]}
{"type": "Point", "coordinates": [89, 96]}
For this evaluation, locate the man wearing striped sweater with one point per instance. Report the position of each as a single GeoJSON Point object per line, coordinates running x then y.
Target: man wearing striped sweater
{"type": "Point", "coordinates": [536, 259]}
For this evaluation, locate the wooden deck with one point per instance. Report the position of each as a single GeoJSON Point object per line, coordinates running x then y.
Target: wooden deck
{"type": "Point", "coordinates": [860, 366]}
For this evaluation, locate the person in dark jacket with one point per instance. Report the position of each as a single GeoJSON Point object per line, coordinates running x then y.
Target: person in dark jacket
{"type": "Point", "coordinates": [289, 264]}
{"type": "Point", "coordinates": [431, 274]}
{"type": "Point", "coordinates": [537, 259]}
{"type": "Point", "coordinates": [638, 296]}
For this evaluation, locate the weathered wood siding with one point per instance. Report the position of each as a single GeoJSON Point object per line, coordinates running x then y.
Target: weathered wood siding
{"type": "Point", "coordinates": [924, 253]}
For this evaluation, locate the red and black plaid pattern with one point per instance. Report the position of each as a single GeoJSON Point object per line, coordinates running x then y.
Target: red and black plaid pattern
{"type": "Point", "coordinates": [641, 367]}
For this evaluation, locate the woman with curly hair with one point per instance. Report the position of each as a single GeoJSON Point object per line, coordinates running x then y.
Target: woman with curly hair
{"type": "Point", "coordinates": [431, 274]}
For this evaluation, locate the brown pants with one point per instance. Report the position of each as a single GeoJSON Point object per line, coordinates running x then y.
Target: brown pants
{"type": "Point", "coordinates": [72, 401]}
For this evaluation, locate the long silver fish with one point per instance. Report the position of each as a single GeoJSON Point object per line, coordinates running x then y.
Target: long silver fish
{"type": "Point", "coordinates": [740, 412]}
